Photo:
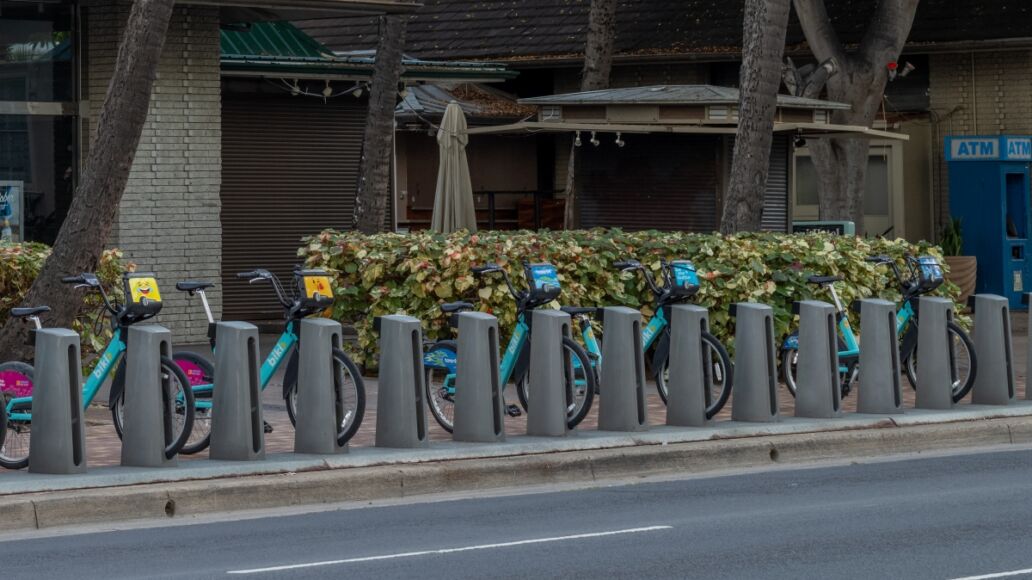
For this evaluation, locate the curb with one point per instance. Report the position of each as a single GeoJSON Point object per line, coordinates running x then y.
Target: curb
{"type": "Point", "coordinates": [186, 498]}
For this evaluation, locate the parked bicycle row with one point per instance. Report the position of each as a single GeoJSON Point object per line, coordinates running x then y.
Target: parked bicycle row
{"type": "Point", "coordinates": [191, 376]}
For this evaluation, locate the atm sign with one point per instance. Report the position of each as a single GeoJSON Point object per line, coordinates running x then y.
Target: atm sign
{"type": "Point", "coordinates": [989, 148]}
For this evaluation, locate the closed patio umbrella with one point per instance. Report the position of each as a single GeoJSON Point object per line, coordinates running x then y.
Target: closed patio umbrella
{"type": "Point", "coordinates": [453, 201]}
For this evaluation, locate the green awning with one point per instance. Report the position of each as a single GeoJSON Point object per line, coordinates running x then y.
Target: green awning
{"type": "Point", "coordinates": [270, 40]}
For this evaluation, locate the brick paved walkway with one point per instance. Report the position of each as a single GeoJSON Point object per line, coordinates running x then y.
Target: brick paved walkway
{"type": "Point", "coordinates": [104, 447]}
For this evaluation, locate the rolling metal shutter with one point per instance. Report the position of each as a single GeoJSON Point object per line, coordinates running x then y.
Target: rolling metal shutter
{"type": "Point", "coordinates": [664, 182]}
{"type": "Point", "coordinates": [775, 198]}
{"type": "Point", "coordinates": [289, 169]}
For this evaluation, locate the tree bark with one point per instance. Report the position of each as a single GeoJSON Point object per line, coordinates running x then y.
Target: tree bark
{"type": "Point", "coordinates": [764, 28]}
{"type": "Point", "coordinates": [92, 213]}
{"type": "Point", "coordinates": [598, 65]}
{"type": "Point", "coordinates": [374, 185]}
{"type": "Point", "coordinates": [841, 163]}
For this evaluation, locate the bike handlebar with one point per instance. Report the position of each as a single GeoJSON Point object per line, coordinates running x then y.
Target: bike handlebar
{"type": "Point", "coordinates": [496, 269]}
{"type": "Point", "coordinates": [636, 265]}
{"type": "Point", "coordinates": [259, 275]}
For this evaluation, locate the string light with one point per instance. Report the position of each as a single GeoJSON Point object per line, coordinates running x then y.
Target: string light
{"type": "Point", "coordinates": [577, 142]}
{"type": "Point", "coordinates": [594, 139]}
{"type": "Point", "coordinates": [619, 140]}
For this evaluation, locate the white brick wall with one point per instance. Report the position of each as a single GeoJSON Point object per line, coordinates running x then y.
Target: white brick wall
{"type": "Point", "coordinates": [981, 93]}
{"type": "Point", "coordinates": [169, 221]}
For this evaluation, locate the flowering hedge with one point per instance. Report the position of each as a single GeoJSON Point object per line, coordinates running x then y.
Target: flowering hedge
{"type": "Point", "coordinates": [21, 263]}
{"type": "Point", "coordinates": [414, 273]}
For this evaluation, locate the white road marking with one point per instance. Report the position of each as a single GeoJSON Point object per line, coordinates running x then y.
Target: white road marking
{"type": "Point", "coordinates": [1026, 571]}
{"type": "Point", "coordinates": [452, 550]}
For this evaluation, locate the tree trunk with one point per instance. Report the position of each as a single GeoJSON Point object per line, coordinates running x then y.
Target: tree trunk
{"type": "Point", "coordinates": [598, 64]}
{"type": "Point", "coordinates": [765, 25]}
{"type": "Point", "coordinates": [841, 163]}
{"type": "Point", "coordinates": [91, 216]}
{"type": "Point", "coordinates": [374, 185]}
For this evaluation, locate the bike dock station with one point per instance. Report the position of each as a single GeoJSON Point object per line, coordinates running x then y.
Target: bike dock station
{"type": "Point", "coordinates": [237, 433]}
{"type": "Point", "coordinates": [549, 393]}
{"type": "Point", "coordinates": [59, 439]}
{"type": "Point", "coordinates": [400, 408]}
{"type": "Point", "coordinates": [149, 403]}
{"type": "Point", "coordinates": [318, 390]}
{"type": "Point", "coordinates": [818, 395]}
{"type": "Point", "coordinates": [756, 384]}
{"type": "Point", "coordinates": [880, 392]}
{"type": "Point", "coordinates": [622, 407]}
{"type": "Point", "coordinates": [934, 355]}
{"type": "Point", "coordinates": [479, 403]}
{"type": "Point", "coordinates": [690, 368]}
{"type": "Point", "coordinates": [994, 383]}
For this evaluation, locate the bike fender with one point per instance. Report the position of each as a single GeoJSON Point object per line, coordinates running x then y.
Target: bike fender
{"type": "Point", "coordinates": [661, 353]}
{"type": "Point", "coordinates": [908, 344]}
{"type": "Point", "coordinates": [441, 357]}
{"type": "Point", "coordinates": [290, 375]}
{"type": "Point", "coordinates": [522, 363]}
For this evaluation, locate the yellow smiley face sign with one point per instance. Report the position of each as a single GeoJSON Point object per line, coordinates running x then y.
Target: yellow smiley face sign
{"type": "Point", "coordinates": [140, 288]}
{"type": "Point", "coordinates": [318, 285]}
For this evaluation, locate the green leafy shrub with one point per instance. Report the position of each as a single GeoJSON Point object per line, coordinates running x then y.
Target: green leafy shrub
{"type": "Point", "coordinates": [20, 264]}
{"type": "Point", "coordinates": [414, 273]}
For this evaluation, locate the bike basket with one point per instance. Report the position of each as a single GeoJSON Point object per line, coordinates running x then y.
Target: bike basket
{"type": "Point", "coordinates": [315, 290]}
{"type": "Point", "coordinates": [685, 278]}
{"type": "Point", "coordinates": [142, 295]}
{"type": "Point", "coordinates": [929, 274]}
{"type": "Point", "coordinates": [544, 283]}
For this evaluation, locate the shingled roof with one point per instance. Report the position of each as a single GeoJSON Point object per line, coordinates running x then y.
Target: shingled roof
{"type": "Point", "coordinates": [520, 30]}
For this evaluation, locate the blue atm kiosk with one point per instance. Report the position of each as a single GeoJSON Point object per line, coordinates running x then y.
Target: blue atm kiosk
{"type": "Point", "coordinates": [990, 193]}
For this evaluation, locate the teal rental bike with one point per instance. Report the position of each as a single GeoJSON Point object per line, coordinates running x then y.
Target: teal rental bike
{"type": "Point", "coordinates": [441, 358]}
{"type": "Point", "coordinates": [680, 285]}
{"type": "Point", "coordinates": [924, 276]}
{"type": "Point", "coordinates": [311, 296]}
{"type": "Point", "coordinates": [143, 301]}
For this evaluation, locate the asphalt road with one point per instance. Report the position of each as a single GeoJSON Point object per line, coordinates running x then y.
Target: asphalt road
{"type": "Point", "coordinates": [937, 517]}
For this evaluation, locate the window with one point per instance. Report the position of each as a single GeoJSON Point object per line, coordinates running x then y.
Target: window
{"type": "Point", "coordinates": [38, 126]}
{"type": "Point", "coordinates": [877, 190]}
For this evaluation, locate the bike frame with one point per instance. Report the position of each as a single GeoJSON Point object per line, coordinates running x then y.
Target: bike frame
{"type": "Point", "coordinates": [284, 346]}
{"type": "Point", "coordinates": [649, 334]}
{"type": "Point", "coordinates": [517, 342]}
{"type": "Point", "coordinates": [105, 368]}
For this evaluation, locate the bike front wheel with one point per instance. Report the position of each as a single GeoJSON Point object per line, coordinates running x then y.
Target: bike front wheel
{"type": "Point", "coordinates": [439, 362]}
{"type": "Point", "coordinates": [16, 381]}
{"type": "Point", "coordinates": [181, 398]}
{"type": "Point", "coordinates": [582, 383]}
{"type": "Point", "coordinates": [350, 396]}
{"type": "Point", "coordinates": [720, 380]}
{"type": "Point", "coordinates": [963, 364]}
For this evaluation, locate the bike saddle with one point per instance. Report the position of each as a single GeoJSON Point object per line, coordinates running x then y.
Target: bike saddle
{"type": "Point", "coordinates": [190, 286]}
{"type": "Point", "coordinates": [27, 312]}
{"type": "Point", "coordinates": [456, 307]}
{"type": "Point", "coordinates": [823, 280]}
{"type": "Point", "coordinates": [577, 310]}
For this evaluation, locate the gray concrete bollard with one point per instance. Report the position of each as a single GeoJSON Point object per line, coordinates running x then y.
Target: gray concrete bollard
{"type": "Point", "coordinates": [691, 367]}
{"type": "Point", "coordinates": [622, 405]}
{"type": "Point", "coordinates": [755, 397]}
{"type": "Point", "coordinates": [994, 382]}
{"type": "Point", "coordinates": [478, 392]}
{"type": "Point", "coordinates": [237, 430]}
{"type": "Point", "coordinates": [400, 404]}
{"type": "Point", "coordinates": [934, 368]}
{"type": "Point", "coordinates": [58, 430]}
{"type": "Point", "coordinates": [818, 390]}
{"type": "Point", "coordinates": [549, 392]}
{"type": "Point", "coordinates": [319, 408]}
{"type": "Point", "coordinates": [149, 405]}
{"type": "Point", "coordinates": [879, 360]}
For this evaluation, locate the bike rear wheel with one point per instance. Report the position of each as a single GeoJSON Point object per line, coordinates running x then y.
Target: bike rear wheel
{"type": "Point", "coordinates": [184, 405]}
{"type": "Point", "coordinates": [583, 384]}
{"type": "Point", "coordinates": [963, 363]}
{"type": "Point", "coordinates": [721, 375]}
{"type": "Point", "coordinates": [16, 439]}
{"type": "Point", "coordinates": [199, 371]}
{"type": "Point", "coordinates": [351, 396]}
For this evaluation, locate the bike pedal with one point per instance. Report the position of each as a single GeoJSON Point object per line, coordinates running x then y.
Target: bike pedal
{"type": "Point", "coordinates": [267, 427]}
{"type": "Point", "coordinates": [513, 410]}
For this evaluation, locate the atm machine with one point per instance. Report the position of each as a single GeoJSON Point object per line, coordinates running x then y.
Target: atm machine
{"type": "Point", "coordinates": [990, 194]}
